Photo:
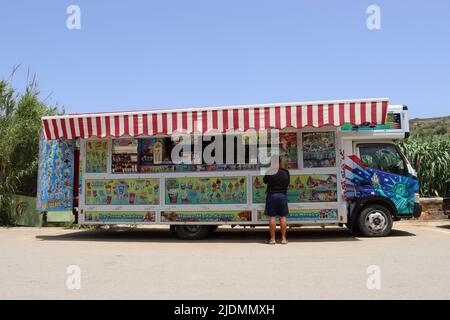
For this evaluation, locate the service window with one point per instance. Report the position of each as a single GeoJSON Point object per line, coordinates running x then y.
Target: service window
{"type": "Point", "coordinates": [235, 154]}
{"type": "Point", "coordinates": [154, 155]}
{"type": "Point", "coordinates": [383, 157]}
{"type": "Point", "coordinates": [124, 156]}
{"type": "Point", "coordinates": [240, 152]}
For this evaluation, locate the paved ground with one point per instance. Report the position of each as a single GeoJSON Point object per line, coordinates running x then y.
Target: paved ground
{"type": "Point", "coordinates": [234, 263]}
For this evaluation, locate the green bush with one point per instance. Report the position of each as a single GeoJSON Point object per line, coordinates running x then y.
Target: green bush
{"type": "Point", "coordinates": [430, 157]}
{"type": "Point", "coordinates": [20, 125]}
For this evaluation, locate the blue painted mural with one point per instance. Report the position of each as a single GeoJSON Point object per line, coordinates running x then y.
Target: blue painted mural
{"type": "Point", "coordinates": [361, 181]}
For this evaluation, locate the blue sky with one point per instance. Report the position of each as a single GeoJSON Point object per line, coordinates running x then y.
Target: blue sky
{"type": "Point", "coordinates": [162, 54]}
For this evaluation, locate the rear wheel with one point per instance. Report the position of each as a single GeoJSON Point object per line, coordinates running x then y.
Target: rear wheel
{"type": "Point", "coordinates": [213, 228]}
{"type": "Point", "coordinates": [191, 232]}
{"type": "Point", "coordinates": [375, 221]}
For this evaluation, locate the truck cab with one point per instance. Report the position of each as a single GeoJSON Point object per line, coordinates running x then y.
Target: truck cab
{"type": "Point", "coordinates": [381, 185]}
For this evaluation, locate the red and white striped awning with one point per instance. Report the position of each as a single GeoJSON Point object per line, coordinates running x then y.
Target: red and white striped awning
{"type": "Point", "coordinates": [222, 119]}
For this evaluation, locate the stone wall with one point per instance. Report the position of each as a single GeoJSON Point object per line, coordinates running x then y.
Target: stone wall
{"type": "Point", "coordinates": [431, 209]}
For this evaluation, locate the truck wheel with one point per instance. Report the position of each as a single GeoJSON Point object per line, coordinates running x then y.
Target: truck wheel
{"type": "Point", "coordinates": [353, 228]}
{"type": "Point", "coordinates": [192, 232]}
{"type": "Point", "coordinates": [375, 221]}
{"type": "Point", "coordinates": [213, 228]}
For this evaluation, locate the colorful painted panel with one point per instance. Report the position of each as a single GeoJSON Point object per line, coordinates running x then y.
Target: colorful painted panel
{"type": "Point", "coordinates": [393, 121]}
{"type": "Point", "coordinates": [289, 150]}
{"type": "Point", "coordinates": [120, 216]}
{"type": "Point", "coordinates": [122, 191]}
{"type": "Point", "coordinates": [96, 156]}
{"type": "Point", "coordinates": [302, 188]}
{"type": "Point", "coordinates": [207, 190]}
{"type": "Point", "coordinates": [305, 215]}
{"type": "Point", "coordinates": [205, 216]}
{"type": "Point", "coordinates": [319, 150]}
{"type": "Point", "coordinates": [55, 175]}
{"type": "Point", "coordinates": [362, 181]}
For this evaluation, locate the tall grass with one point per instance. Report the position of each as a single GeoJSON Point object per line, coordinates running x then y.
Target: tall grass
{"type": "Point", "coordinates": [430, 157]}
{"type": "Point", "coordinates": [20, 124]}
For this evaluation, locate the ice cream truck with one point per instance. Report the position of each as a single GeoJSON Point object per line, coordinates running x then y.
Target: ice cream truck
{"type": "Point", "coordinates": [119, 167]}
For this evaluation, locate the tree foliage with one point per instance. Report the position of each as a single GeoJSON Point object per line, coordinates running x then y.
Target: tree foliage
{"type": "Point", "coordinates": [20, 125]}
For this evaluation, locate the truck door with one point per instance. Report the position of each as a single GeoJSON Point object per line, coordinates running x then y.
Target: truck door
{"type": "Point", "coordinates": [383, 171]}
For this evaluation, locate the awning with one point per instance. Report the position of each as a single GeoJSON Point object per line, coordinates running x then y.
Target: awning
{"type": "Point", "coordinates": [222, 119]}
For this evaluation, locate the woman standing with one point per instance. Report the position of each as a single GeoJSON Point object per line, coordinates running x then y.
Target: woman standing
{"type": "Point", "coordinates": [276, 201]}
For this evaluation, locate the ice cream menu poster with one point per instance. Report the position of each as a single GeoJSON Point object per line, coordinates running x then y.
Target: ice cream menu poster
{"type": "Point", "coordinates": [207, 190]}
{"type": "Point", "coordinates": [288, 150]}
{"type": "Point", "coordinates": [96, 156]}
{"type": "Point", "coordinates": [319, 150]}
{"type": "Point", "coordinates": [55, 175]}
{"type": "Point", "coordinates": [122, 191]}
{"type": "Point", "coordinates": [302, 188]}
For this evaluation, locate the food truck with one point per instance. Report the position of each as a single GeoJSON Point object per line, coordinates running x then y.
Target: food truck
{"type": "Point", "coordinates": [119, 167]}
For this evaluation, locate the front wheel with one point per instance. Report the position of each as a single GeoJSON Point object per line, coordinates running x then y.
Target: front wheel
{"type": "Point", "coordinates": [353, 228]}
{"type": "Point", "coordinates": [375, 221]}
{"type": "Point", "coordinates": [191, 232]}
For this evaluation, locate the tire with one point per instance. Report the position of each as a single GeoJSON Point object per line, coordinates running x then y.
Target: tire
{"type": "Point", "coordinates": [375, 221]}
{"type": "Point", "coordinates": [192, 232]}
{"type": "Point", "coordinates": [213, 228]}
{"type": "Point", "coordinates": [353, 229]}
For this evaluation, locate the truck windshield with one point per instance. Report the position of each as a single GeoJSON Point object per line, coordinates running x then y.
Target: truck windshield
{"type": "Point", "coordinates": [383, 157]}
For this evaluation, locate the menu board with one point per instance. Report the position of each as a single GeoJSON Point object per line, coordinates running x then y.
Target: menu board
{"type": "Point", "coordinates": [206, 190]}
{"type": "Point", "coordinates": [319, 149]}
{"type": "Point", "coordinates": [205, 216]}
{"type": "Point", "coordinates": [96, 156]}
{"type": "Point", "coordinates": [55, 175]}
{"type": "Point", "coordinates": [122, 191]}
{"type": "Point", "coordinates": [305, 215]}
{"type": "Point", "coordinates": [302, 188]}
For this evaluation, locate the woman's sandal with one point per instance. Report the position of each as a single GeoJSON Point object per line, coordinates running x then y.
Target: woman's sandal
{"type": "Point", "coordinates": [284, 242]}
{"type": "Point", "coordinates": [272, 242]}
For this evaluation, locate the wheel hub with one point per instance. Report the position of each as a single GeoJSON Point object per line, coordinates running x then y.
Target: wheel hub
{"type": "Point", "coordinates": [376, 221]}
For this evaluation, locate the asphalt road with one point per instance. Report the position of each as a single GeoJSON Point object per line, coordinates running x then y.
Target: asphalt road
{"type": "Point", "coordinates": [413, 263]}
